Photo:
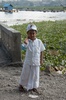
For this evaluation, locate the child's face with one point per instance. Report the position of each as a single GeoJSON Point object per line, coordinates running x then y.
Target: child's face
{"type": "Point", "coordinates": [31, 34]}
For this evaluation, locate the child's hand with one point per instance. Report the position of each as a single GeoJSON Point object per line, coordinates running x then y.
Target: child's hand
{"type": "Point", "coordinates": [41, 62]}
{"type": "Point", "coordinates": [26, 41]}
{"type": "Point", "coordinates": [41, 58]}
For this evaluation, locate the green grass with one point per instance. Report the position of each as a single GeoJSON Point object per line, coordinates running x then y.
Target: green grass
{"type": "Point", "coordinates": [42, 8]}
{"type": "Point", "coordinates": [53, 34]}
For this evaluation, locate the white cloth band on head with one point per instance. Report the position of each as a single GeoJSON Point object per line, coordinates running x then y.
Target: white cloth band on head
{"type": "Point", "coordinates": [31, 27]}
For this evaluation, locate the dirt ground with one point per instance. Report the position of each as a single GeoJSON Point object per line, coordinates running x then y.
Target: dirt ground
{"type": "Point", "coordinates": [52, 86]}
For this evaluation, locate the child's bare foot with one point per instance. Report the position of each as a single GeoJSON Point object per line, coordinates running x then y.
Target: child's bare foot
{"type": "Point", "coordinates": [36, 91]}
{"type": "Point", "coordinates": [21, 89]}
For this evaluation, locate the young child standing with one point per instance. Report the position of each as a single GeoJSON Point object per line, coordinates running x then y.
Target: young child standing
{"type": "Point", "coordinates": [29, 78]}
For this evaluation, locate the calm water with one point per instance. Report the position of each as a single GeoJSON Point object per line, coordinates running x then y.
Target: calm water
{"type": "Point", "coordinates": [21, 17]}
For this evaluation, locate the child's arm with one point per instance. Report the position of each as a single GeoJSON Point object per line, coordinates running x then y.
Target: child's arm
{"type": "Point", "coordinates": [41, 58]}
{"type": "Point", "coordinates": [26, 41]}
{"type": "Point", "coordinates": [25, 44]}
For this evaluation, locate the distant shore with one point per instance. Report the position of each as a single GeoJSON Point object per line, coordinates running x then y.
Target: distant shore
{"type": "Point", "coordinates": [40, 8]}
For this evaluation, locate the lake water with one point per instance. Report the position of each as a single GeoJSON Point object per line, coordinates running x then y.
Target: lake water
{"type": "Point", "coordinates": [21, 17]}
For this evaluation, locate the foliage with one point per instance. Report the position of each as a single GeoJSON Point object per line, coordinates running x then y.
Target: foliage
{"type": "Point", "coordinates": [53, 35]}
{"type": "Point", "coordinates": [41, 8]}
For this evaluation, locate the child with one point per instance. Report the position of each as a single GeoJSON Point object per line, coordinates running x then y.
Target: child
{"type": "Point", "coordinates": [29, 79]}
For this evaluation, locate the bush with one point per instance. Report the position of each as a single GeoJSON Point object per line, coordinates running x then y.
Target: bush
{"type": "Point", "coordinates": [53, 35]}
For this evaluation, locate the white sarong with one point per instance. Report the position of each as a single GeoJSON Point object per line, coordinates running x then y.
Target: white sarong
{"type": "Point", "coordinates": [29, 77]}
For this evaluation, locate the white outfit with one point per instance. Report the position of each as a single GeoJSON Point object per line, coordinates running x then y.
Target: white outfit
{"type": "Point", "coordinates": [31, 67]}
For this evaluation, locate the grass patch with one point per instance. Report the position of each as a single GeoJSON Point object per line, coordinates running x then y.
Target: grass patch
{"type": "Point", "coordinates": [53, 35]}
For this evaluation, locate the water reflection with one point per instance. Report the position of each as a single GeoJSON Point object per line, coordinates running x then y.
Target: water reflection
{"type": "Point", "coordinates": [21, 17]}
